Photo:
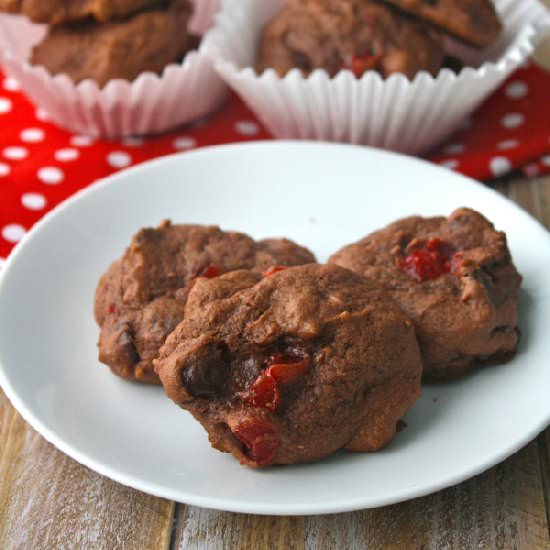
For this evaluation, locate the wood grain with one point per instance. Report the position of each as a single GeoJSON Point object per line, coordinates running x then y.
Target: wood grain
{"type": "Point", "coordinates": [542, 55]}
{"type": "Point", "coordinates": [48, 500]}
{"type": "Point", "coordinates": [503, 508]}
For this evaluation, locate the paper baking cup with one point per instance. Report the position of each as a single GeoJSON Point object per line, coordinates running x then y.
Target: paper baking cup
{"type": "Point", "coordinates": [150, 104]}
{"type": "Point", "coordinates": [203, 15]}
{"type": "Point", "coordinates": [394, 113]}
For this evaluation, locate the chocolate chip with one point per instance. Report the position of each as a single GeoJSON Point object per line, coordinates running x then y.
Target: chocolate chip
{"type": "Point", "coordinates": [205, 374]}
{"type": "Point", "coordinates": [301, 61]}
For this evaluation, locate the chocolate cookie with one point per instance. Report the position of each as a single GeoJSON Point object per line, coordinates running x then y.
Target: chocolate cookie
{"type": "Point", "coordinates": [10, 6]}
{"type": "Point", "coordinates": [292, 367]}
{"type": "Point", "coordinates": [57, 12]}
{"type": "Point", "coordinates": [141, 298]}
{"type": "Point", "coordinates": [351, 34]}
{"type": "Point", "coordinates": [123, 49]}
{"type": "Point", "coordinates": [473, 21]}
{"type": "Point", "coordinates": [455, 279]}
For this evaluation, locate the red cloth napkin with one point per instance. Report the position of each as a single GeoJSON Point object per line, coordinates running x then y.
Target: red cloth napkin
{"type": "Point", "coordinates": [40, 164]}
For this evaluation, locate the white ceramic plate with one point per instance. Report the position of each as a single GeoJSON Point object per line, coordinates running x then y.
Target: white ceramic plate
{"type": "Point", "coordinates": [322, 196]}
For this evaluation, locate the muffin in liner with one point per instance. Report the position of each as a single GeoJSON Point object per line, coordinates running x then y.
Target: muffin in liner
{"type": "Point", "coordinates": [394, 113]}
{"type": "Point", "coordinates": [150, 104]}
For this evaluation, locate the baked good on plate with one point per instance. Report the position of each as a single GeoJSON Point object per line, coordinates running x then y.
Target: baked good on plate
{"type": "Point", "coordinates": [141, 297]}
{"type": "Point", "coordinates": [292, 366]}
{"type": "Point", "coordinates": [454, 277]}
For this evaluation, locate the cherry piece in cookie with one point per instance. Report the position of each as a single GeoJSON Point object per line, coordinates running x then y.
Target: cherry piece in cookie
{"type": "Point", "coordinates": [210, 271]}
{"type": "Point", "coordinates": [259, 439]}
{"type": "Point", "coordinates": [273, 269]}
{"type": "Point", "coordinates": [283, 368]}
{"type": "Point", "coordinates": [360, 64]}
{"type": "Point", "coordinates": [428, 260]}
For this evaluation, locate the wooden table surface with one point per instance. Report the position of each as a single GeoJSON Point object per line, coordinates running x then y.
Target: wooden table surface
{"type": "Point", "coordinates": [49, 501]}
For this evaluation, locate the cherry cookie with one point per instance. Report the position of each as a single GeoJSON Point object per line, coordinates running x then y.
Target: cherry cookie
{"type": "Point", "coordinates": [141, 298]}
{"type": "Point", "coordinates": [100, 51]}
{"type": "Point", "coordinates": [455, 279]}
{"type": "Point", "coordinates": [348, 34]}
{"type": "Point", "coordinates": [56, 12]}
{"type": "Point", "coordinates": [294, 365]}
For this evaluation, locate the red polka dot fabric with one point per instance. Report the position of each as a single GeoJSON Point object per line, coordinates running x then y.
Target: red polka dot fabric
{"type": "Point", "coordinates": [41, 164]}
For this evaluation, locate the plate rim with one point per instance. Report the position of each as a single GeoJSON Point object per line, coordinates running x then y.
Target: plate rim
{"type": "Point", "coordinates": [225, 504]}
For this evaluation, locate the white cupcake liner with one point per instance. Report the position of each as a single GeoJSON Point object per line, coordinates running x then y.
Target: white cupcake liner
{"type": "Point", "coordinates": [393, 113]}
{"type": "Point", "coordinates": [203, 15]}
{"type": "Point", "coordinates": [150, 104]}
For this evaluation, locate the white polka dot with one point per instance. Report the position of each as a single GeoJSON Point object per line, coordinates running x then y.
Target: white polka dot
{"type": "Point", "coordinates": [42, 115]}
{"type": "Point", "coordinates": [500, 166]}
{"type": "Point", "coordinates": [184, 142]}
{"type": "Point", "coordinates": [119, 159]}
{"type": "Point", "coordinates": [32, 135]}
{"type": "Point", "coordinates": [5, 105]}
{"type": "Point", "coordinates": [132, 141]}
{"type": "Point", "coordinates": [545, 161]}
{"type": "Point", "coordinates": [454, 149]}
{"type": "Point", "coordinates": [15, 153]}
{"type": "Point", "coordinates": [33, 201]}
{"type": "Point", "coordinates": [450, 163]}
{"type": "Point", "coordinates": [516, 90]}
{"type": "Point", "coordinates": [13, 232]}
{"type": "Point", "coordinates": [507, 144]}
{"type": "Point", "coordinates": [4, 169]}
{"type": "Point", "coordinates": [82, 141]}
{"type": "Point", "coordinates": [66, 155]}
{"type": "Point", "coordinates": [51, 175]}
{"type": "Point", "coordinates": [2, 262]}
{"type": "Point", "coordinates": [512, 120]}
{"type": "Point", "coordinates": [247, 128]}
{"type": "Point", "coordinates": [11, 84]}
{"type": "Point", "coordinates": [531, 170]}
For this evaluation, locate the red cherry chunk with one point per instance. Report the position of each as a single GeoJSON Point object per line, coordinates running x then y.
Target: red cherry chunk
{"type": "Point", "coordinates": [273, 269]}
{"type": "Point", "coordinates": [360, 64]}
{"type": "Point", "coordinates": [287, 367]}
{"type": "Point", "coordinates": [259, 438]}
{"type": "Point", "coordinates": [211, 271]}
{"type": "Point", "coordinates": [283, 368]}
{"type": "Point", "coordinates": [264, 393]}
{"type": "Point", "coordinates": [428, 261]}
